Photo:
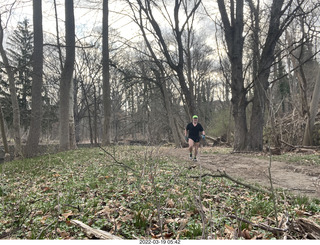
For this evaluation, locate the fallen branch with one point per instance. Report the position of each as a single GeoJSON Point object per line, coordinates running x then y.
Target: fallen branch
{"type": "Point", "coordinates": [292, 146]}
{"type": "Point", "coordinates": [265, 227]}
{"type": "Point", "coordinates": [91, 232]}
{"type": "Point", "coordinates": [210, 138]}
{"type": "Point", "coordinates": [300, 146]}
{"type": "Point", "coordinates": [225, 175]}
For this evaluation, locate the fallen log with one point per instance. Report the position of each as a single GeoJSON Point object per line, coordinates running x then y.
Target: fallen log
{"type": "Point", "coordinates": [294, 147]}
{"type": "Point", "coordinates": [94, 233]}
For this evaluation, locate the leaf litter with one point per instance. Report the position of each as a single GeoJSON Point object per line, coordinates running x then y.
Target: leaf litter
{"type": "Point", "coordinates": [147, 196]}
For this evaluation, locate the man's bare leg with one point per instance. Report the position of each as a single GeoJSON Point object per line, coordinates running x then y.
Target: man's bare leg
{"type": "Point", "coordinates": [191, 144]}
{"type": "Point", "coordinates": [196, 146]}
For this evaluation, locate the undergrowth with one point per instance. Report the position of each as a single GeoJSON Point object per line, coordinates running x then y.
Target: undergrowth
{"type": "Point", "coordinates": [135, 192]}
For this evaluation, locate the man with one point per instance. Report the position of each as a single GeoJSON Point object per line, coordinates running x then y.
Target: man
{"type": "Point", "coordinates": [194, 128]}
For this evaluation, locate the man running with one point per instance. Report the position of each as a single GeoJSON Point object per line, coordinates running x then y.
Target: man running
{"type": "Point", "coordinates": [194, 128]}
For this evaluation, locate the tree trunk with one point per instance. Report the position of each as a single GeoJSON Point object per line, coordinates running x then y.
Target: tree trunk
{"type": "Point", "coordinates": [37, 61]}
{"type": "Point", "coordinates": [88, 109]}
{"type": "Point", "coordinates": [66, 76]}
{"type": "Point", "coordinates": [233, 33]}
{"type": "Point", "coordinates": [261, 83]}
{"type": "Point", "coordinates": [72, 130]}
{"type": "Point", "coordinates": [95, 117]}
{"type": "Point", "coordinates": [314, 105]}
{"type": "Point", "coordinates": [14, 98]}
{"type": "Point", "coordinates": [3, 133]}
{"type": "Point", "coordinates": [163, 88]}
{"type": "Point", "coordinates": [106, 137]}
{"type": "Point", "coordinates": [239, 105]}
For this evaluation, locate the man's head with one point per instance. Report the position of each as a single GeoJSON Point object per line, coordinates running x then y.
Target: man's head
{"type": "Point", "coordinates": [195, 118]}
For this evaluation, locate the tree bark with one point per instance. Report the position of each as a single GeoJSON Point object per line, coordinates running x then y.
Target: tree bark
{"type": "Point", "coordinates": [233, 28]}
{"type": "Point", "coordinates": [66, 76]}
{"type": "Point", "coordinates": [72, 129]}
{"type": "Point", "coordinates": [261, 83]}
{"type": "Point", "coordinates": [3, 132]}
{"type": "Point", "coordinates": [37, 61]}
{"type": "Point", "coordinates": [106, 137]}
{"type": "Point", "coordinates": [314, 105]}
{"type": "Point", "coordinates": [163, 88]}
{"type": "Point", "coordinates": [14, 98]}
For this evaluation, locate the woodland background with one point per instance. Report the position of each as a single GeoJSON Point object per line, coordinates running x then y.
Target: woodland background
{"type": "Point", "coordinates": [114, 73]}
{"type": "Point", "coordinates": [135, 71]}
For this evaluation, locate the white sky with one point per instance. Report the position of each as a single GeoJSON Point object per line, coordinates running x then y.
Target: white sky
{"type": "Point", "coordinates": [88, 17]}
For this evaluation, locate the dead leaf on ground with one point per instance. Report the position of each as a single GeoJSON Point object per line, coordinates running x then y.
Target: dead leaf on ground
{"type": "Point", "coordinates": [67, 214]}
{"type": "Point", "coordinates": [63, 234]}
{"type": "Point", "coordinates": [170, 203]}
{"type": "Point", "coordinates": [44, 218]}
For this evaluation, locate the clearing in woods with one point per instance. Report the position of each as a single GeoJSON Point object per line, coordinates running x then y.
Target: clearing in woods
{"type": "Point", "coordinates": [299, 178]}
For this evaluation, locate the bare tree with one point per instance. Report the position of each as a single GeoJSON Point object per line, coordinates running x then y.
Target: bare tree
{"type": "Point", "coordinates": [13, 93]}
{"type": "Point", "coordinates": [3, 133]}
{"type": "Point", "coordinates": [37, 61]}
{"type": "Point", "coordinates": [314, 105]}
{"type": "Point", "coordinates": [175, 59]}
{"type": "Point", "coordinates": [66, 76]}
{"type": "Point", "coordinates": [106, 74]}
{"type": "Point", "coordinates": [233, 30]}
{"type": "Point", "coordinates": [281, 14]}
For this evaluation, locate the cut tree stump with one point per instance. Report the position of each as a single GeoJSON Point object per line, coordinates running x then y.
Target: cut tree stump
{"type": "Point", "coordinates": [91, 232]}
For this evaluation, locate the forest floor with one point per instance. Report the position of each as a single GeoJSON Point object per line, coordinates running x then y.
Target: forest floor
{"type": "Point", "coordinates": [301, 178]}
{"type": "Point", "coordinates": [156, 192]}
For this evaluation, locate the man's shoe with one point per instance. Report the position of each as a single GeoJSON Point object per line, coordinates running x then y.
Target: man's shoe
{"type": "Point", "coordinates": [190, 157]}
{"type": "Point", "coordinates": [195, 159]}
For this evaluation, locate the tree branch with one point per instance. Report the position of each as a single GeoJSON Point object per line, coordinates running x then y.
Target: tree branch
{"type": "Point", "coordinates": [116, 161]}
{"type": "Point", "coordinates": [225, 175]}
{"type": "Point", "coordinates": [274, 230]}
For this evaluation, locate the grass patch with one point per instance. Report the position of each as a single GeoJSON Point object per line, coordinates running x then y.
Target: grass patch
{"type": "Point", "coordinates": [142, 194]}
{"type": "Point", "coordinates": [313, 159]}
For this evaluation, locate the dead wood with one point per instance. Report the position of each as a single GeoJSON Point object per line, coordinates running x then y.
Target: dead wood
{"type": "Point", "coordinates": [223, 174]}
{"type": "Point", "coordinates": [302, 148]}
{"type": "Point", "coordinates": [265, 227]}
{"type": "Point", "coordinates": [295, 229]}
{"type": "Point", "coordinates": [310, 228]}
{"type": "Point", "coordinates": [95, 233]}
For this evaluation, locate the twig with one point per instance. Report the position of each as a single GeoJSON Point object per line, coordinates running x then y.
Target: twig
{"type": "Point", "coordinates": [116, 161]}
{"type": "Point", "coordinates": [225, 175]}
{"type": "Point", "coordinates": [274, 230]}
{"type": "Point", "coordinates": [274, 198]}
{"type": "Point", "coordinates": [46, 228]}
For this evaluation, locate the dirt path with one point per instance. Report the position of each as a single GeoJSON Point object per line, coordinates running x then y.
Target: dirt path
{"type": "Point", "coordinates": [303, 180]}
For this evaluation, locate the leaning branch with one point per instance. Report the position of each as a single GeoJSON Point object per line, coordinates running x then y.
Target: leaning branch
{"type": "Point", "coordinates": [225, 175]}
{"type": "Point", "coordinates": [116, 161]}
